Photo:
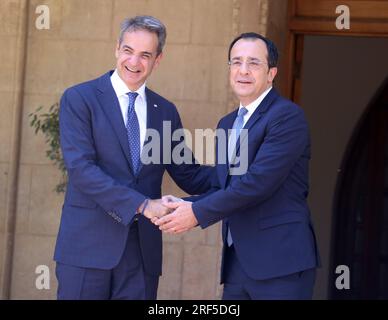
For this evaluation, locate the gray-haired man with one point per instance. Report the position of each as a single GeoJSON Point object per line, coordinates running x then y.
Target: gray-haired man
{"type": "Point", "coordinates": [106, 247]}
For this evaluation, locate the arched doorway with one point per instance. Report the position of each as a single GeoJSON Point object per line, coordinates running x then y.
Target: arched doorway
{"type": "Point", "coordinates": [360, 215]}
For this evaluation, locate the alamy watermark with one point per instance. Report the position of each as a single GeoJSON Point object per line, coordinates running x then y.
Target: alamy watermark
{"type": "Point", "coordinates": [42, 281]}
{"type": "Point", "coordinates": [343, 280]}
{"type": "Point", "coordinates": [42, 21]}
{"type": "Point", "coordinates": [175, 147]}
{"type": "Point", "coordinates": [343, 20]}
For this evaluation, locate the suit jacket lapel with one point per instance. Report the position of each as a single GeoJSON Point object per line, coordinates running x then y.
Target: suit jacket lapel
{"type": "Point", "coordinates": [111, 107]}
{"type": "Point", "coordinates": [260, 110]}
{"type": "Point", "coordinates": [154, 112]}
{"type": "Point", "coordinates": [154, 117]}
{"type": "Point", "coordinates": [224, 167]}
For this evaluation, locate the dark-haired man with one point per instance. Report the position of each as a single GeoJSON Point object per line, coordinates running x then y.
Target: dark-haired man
{"type": "Point", "coordinates": [269, 244]}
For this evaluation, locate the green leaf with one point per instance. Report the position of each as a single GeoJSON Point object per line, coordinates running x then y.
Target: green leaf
{"type": "Point", "coordinates": [48, 125]}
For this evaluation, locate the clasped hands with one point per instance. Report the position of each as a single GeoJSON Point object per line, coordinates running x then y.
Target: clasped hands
{"type": "Point", "coordinates": [170, 214]}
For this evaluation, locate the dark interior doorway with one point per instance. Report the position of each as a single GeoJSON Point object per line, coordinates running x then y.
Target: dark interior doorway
{"type": "Point", "coordinates": [360, 220]}
{"type": "Point", "coordinates": [333, 74]}
{"type": "Point", "coordinates": [339, 77]}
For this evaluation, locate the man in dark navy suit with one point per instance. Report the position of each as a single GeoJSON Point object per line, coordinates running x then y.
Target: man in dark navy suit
{"type": "Point", "coordinates": [270, 250]}
{"type": "Point", "coordinates": [107, 248]}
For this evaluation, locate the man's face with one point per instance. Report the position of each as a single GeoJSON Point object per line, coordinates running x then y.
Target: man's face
{"type": "Point", "coordinates": [137, 57]}
{"type": "Point", "coordinates": [249, 73]}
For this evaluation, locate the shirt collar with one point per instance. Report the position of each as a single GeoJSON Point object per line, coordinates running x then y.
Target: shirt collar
{"type": "Point", "coordinates": [255, 104]}
{"type": "Point", "coordinates": [121, 88]}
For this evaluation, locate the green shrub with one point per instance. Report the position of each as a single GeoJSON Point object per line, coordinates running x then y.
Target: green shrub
{"type": "Point", "coordinates": [48, 124]}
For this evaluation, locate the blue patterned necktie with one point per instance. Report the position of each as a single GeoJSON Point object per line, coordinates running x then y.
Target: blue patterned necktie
{"type": "Point", "coordinates": [133, 132]}
{"type": "Point", "coordinates": [237, 125]}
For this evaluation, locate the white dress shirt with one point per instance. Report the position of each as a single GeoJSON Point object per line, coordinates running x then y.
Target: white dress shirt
{"type": "Point", "coordinates": [121, 91]}
{"type": "Point", "coordinates": [253, 105]}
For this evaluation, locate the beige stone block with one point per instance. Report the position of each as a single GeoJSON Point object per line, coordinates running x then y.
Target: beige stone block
{"type": "Point", "coordinates": [3, 195]}
{"type": "Point", "coordinates": [172, 238]}
{"type": "Point", "coordinates": [219, 291]}
{"type": "Point", "coordinates": [197, 76]}
{"type": "Point", "coordinates": [89, 20]}
{"type": "Point", "coordinates": [10, 14]}
{"type": "Point", "coordinates": [32, 251]}
{"type": "Point", "coordinates": [196, 235]}
{"type": "Point", "coordinates": [45, 203]}
{"type": "Point", "coordinates": [171, 279]}
{"type": "Point", "coordinates": [176, 16]}
{"type": "Point", "coordinates": [24, 199]}
{"type": "Point", "coordinates": [249, 16]}
{"type": "Point", "coordinates": [212, 22]}
{"type": "Point", "coordinates": [88, 60]}
{"type": "Point", "coordinates": [2, 244]}
{"type": "Point", "coordinates": [200, 115]}
{"type": "Point", "coordinates": [34, 146]}
{"type": "Point", "coordinates": [53, 65]}
{"type": "Point", "coordinates": [218, 287]}
{"type": "Point", "coordinates": [6, 122]}
{"type": "Point", "coordinates": [191, 73]}
{"type": "Point", "coordinates": [8, 59]}
{"type": "Point", "coordinates": [219, 75]}
{"type": "Point", "coordinates": [126, 9]}
{"type": "Point", "coordinates": [200, 119]}
{"type": "Point", "coordinates": [169, 78]}
{"type": "Point", "coordinates": [46, 64]}
{"type": "Point", "coordinates": [199, 272]}
{"type": "Point", "coordinates": [213, 235]}
{"type": "Point", "coordinates": [55, 11]}
{"type": "Point", "coordinates": [277, 32]}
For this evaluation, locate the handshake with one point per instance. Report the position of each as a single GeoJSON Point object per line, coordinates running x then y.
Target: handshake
{"type": "Point", "coordinates": [170, 214]}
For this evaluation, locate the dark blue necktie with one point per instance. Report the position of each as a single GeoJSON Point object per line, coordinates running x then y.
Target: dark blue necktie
{"type": "Point", "coordinates": [237, 126]}
{"type": "Point", "coordinates": [133, 132]}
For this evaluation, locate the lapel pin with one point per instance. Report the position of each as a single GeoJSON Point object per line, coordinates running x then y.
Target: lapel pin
{"type": "Point", "coordinates": [155, 105]}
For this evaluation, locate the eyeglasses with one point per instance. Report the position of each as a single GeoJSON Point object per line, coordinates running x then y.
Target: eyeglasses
{"type": "Point", "coordinates": [252, 64]}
